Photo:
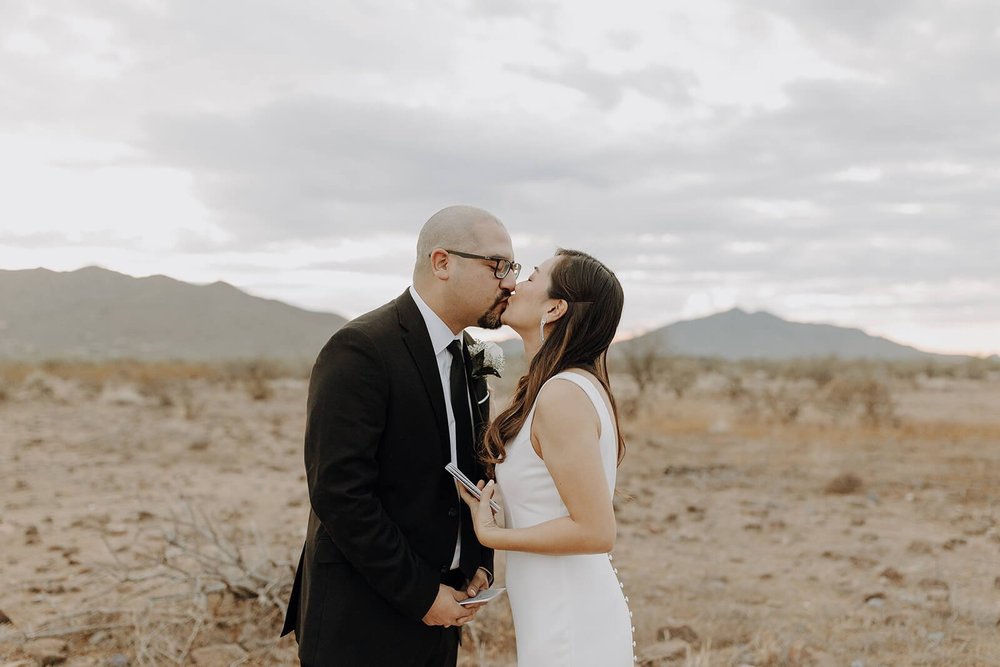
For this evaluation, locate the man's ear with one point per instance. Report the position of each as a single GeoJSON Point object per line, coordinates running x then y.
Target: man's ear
{"type": "Point", "coordinates": [440, 263]}
{"type": "Point", "coordinates": [556, 311]}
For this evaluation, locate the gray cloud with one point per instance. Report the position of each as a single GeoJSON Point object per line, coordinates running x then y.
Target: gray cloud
{"type": "Point", "coordinates": [624, 40]}
{"type": "Point", "coordinates": [664, 84]}
{"type": "Point", "coordinates": [536, 11]}
{"type": "Point", "coordinates": [284, 148]}
{"type": "Point", "coordinates": [317, 167]}
{"type": "Point", "coordinates": [310, 167]}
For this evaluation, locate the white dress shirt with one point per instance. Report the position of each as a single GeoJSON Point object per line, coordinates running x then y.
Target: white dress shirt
{"type": "Point", "coordinates": [441, 337]}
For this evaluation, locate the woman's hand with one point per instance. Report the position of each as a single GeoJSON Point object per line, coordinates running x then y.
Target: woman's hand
{"type": "Point", "coordinates": [483, 518]}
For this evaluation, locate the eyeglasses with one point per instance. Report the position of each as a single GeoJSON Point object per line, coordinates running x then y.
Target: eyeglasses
{"type": "Point", "coordinates": [502, 267]}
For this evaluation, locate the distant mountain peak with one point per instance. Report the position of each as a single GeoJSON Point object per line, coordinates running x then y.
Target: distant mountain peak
{"type": "Point", "coordinates": [738, 334]}
{"type": "Point", "coordinates": [94, 269]}
{"type": "Point", "coordinates": [739, 313]}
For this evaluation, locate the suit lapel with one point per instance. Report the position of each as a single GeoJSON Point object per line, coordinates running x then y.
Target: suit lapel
{"type": "Point", "coordinates": [418, 342]}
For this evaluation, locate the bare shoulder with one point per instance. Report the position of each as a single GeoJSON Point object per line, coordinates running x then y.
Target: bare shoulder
{"type": "Point", "coordinates": [560, 399]}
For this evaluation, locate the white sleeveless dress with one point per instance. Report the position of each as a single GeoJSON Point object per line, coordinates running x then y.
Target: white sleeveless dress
{"type": "Point", "coordinates": [568, 610]}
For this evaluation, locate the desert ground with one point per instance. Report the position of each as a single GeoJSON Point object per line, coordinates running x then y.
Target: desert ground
{"type": "Point", "coordinates": [812, 514]}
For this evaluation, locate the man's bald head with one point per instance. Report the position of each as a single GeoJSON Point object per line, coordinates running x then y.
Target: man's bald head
{"type": "Point", "coordinates": [463, 290]}
{"type": "Point", "coordinates": [455, 227]}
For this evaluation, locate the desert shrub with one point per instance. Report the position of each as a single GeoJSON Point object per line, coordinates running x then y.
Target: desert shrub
{"type": "Point", "coordinates": [255, 376]}
{"type": "Point", "coordinates": [258, 388]}
{"type": "Point", "coordinates": [640, 360]}
{"type": "Point", "coordinates": [784, 404]}
{"type": "Point", "coordinates": [844, 484]}
{"type": "Point", "coordinates": [976, 369]}
{"type": "Point", "coordinates": [735, 389]}
{"type": "Point", "coordinates": [193, 408]}
{"type": "Point", "coordinates": [876, 402]}
{"type": "Point", "coordinates": [159, 389]}
{"type": "Point", "coordinates": [39, 385]}
{"type": "Point", "coordinates": [839, 397]}
{"type": "Point", "coordinates": [770, 651]}
{"type": "Point", "coordinates": [867, 397]}
{"type": "Point", "coordinates": [820, 371]}
{"type": "Point", "coordinates": [679, 374]}
{"type": "Point", "coordinates": [706, 365]}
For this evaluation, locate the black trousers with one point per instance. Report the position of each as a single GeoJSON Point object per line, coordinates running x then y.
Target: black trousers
{"type": "Point", "coordinates": [445, 654]}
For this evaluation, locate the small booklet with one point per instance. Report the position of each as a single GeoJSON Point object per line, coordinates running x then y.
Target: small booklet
{"type": "Point", "coordinates": [468, 484]}
{"type": "Point", "coordinates": [484, 596]}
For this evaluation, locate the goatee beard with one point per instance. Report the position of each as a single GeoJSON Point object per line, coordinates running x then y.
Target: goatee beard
{"type": "Point", "coordinates": [491, 318]}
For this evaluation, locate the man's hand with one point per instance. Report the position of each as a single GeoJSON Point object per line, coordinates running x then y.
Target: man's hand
{"type": "Point", "coordinates": [480, 582]}
{"type": "Point", "coordinates": [446, 611]}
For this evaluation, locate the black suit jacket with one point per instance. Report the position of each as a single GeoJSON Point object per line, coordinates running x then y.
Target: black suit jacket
{"type": "Point", "coordinates": [384, 513]}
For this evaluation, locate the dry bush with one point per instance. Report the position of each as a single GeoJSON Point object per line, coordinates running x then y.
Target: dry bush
{"type": "Point", "coordinates": [844, 484]}
{"type": "Point", "coordinates": [839, 398]}
{"type": "Point", "coordinates": [867, 397]}
{"type": "Point", "coordinates": [255, 377]}
{"type": "Point", "coordinates": [258, 388]}
{"type": "Point", "coordinates": [767, 651]}
{"type": "Point", "coordinates": [164, 382]}
{"type": "Point", "coordinates": [786, 392]}
{"type": "Point", "coordinates": [640, 360]}
{"type": "Point", "coordinates": [978, 368]}
{"type": "Point", "coordinates": [823, 370]}
{"type": "Point", "coordinates": [99, 373]}
{"type": "Point", "coordinates": [198, 585]}
{"type": "Point", "coordinates": [784, 404]}
{"type": "Point", "coordinates": [877, 404]}
{"type": "Point", "coordinates": [820, 371]}
{"type": "Point", "coordinates": [735, 388]}
{"type": "Point", "coordinates": [160, 390]}
{"type": "Point", "coordinates": [127, 370]}
{"type": "Point", "coordinates": [679, 374]}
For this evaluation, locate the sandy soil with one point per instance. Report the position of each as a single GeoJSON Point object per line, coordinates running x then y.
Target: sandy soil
{"type": "Point", "coordinates": [159, 525]}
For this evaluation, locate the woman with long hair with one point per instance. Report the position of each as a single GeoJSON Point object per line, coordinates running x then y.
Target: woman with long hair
{"type": "Point", "coordinates": [554, 454]}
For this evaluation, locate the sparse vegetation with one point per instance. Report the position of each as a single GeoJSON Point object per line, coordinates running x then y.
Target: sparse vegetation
{"type": "Point", "coordinates": [863, 489]}
{"type": "Point", "coordinates": [641, 360]}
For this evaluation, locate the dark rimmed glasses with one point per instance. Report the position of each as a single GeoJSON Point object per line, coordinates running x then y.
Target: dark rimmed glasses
{"type": "Point", "coordinates": [501, 268]}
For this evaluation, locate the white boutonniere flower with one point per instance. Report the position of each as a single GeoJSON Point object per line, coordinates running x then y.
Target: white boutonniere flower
{"type": "Point", "coordinates": [487, 358]}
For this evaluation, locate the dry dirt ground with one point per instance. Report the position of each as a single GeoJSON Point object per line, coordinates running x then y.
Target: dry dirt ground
{"type": "Point", "coordinates": [157, 523]}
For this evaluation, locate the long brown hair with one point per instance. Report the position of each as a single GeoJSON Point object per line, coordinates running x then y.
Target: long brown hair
{"type": "Point", "coordinates": [579, 339]}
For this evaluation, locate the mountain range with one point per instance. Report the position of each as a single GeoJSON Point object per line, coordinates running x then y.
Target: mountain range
{"type": "Point", "coordinates": [94, 313]}
{"type": "Point", "coordinates": [737, 334]}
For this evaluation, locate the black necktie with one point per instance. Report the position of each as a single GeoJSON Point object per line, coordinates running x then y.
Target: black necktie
{"type": "Point", "coordinates": [468, 561]}
{"type": "Point", "coordinates": [460, 407]}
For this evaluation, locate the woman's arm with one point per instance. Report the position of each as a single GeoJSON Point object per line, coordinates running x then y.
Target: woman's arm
{"type": "Point", "coordinates": [566, 432]}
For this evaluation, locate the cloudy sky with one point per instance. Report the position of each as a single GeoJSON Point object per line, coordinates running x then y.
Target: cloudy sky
{"type": "Point", "coordinates": [823, 160]}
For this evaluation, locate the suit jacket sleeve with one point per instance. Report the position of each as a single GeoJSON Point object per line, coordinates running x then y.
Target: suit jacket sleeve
{"type": "Point", "coordinates": [346, 412]}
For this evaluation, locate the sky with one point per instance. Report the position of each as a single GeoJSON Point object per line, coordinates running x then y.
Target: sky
{"type": "Point", "coordinates": [822, 160]}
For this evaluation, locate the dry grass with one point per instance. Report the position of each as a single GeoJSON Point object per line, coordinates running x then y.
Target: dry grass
{"type": "Point", "coordinates": [777, 529]}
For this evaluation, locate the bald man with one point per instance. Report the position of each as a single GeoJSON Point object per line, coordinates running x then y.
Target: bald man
{"type": "Point", "coordinates": [390, 550]}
